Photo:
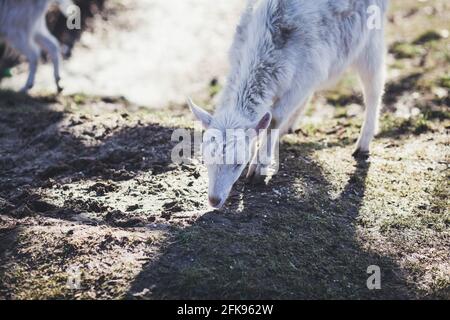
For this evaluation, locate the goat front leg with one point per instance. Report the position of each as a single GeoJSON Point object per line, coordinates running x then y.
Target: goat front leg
{"type": "Point", "coordinates": [265, 147]}
{"type": "Point", "coordinates": [290, 125]}
{"type": "Point", "coordinates": [371, 69]}
{"type": "Point", "coordinates": [265, 158]}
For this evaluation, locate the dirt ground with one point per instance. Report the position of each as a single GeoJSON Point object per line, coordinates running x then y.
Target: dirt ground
{"type": "Point", "coordinates": [91, 206]}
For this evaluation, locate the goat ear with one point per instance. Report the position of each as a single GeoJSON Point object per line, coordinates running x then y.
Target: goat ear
{"type": "Point", "coordinates": [264, 123]}
{"type": "Point", "coordinates": [201, 115]}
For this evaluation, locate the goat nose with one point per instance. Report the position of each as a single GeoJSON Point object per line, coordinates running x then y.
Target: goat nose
{"type": "Point", "coordinates": [214, 201]}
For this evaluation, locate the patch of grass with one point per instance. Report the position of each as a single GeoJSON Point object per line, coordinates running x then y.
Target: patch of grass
{"type": "Point", "coordinates": [440, 115]}
{"type": "Point", "coordinates": [346, 92]}
{"type": "Point", "coordinates": [310, 129]}
{"type": "Point", "coordinates": [340, 112]}
{"type": "Point", "coordinates": [392, 126]}
{"type": "Point", "coordinates": [439, 213]}
{"type": "Point", "coordinates": [434, 216]}
{"type": "Point", "coordinates": [428, 36]}
{"type": "Point", "coordinates": [421, 125]}
{"type": "Point", "coordinates": [214, 87]}
{"type": "Point", "coordinates": [398, 64]}
{"type": "Point", "coordinates": [340, 99]}
{"type": "Point", "coordinates": [404, 50]}
{"type": "Point", "coordinates": [445, 81]}
{"type": "Point", "coordinates": [79, 98]}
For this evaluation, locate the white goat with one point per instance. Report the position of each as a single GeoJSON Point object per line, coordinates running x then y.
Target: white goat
{"type": "Point", "coordinates": [284, 51]}
{"type": "Point", "coordinates": [23, 26]}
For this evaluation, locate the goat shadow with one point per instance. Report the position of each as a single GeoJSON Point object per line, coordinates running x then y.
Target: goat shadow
{"type": "Point", "coordinates": [290, 239]}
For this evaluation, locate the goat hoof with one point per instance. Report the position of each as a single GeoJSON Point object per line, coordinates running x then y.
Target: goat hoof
{"type": "Point", "coordinates": [26, 88]}
{"type": "Point", "coordinates": [360, 154]}
{"type": "Point", "coordinates": [250, 179]}
{"type": "Point", "coordinates": [250, 173]}
{"type": "Point", "coordinates": [255, 175]}
{"type": "Point", "coordinates": [58, 86]}
{"type": "Point", "coordinates": [256, 180]}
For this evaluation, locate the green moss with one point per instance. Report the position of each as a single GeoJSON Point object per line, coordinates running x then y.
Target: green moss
{"type": "Point", "coordinates": [440, 115]}
{"type": "Point", "coordinates": [428, 36]}
{"type": "Point", "coordinates": [421, 125]}
{"type": "Point", "coordinates": [340, 112]}
{"type": "Point", "coordinates": [404, 50]}
{"type": "Point", "coordinates": [398, 64]}
{"type": "Point", "coordinates": [214, 87]}
{"type": "Point", "coordinates": [445, 81]}
{"type": "Point", "coordinates": [392, 126]}
{"type": "Point", "coordinates": [340, 99]}
{"type": "Point", "coordinates": [79, 98]}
